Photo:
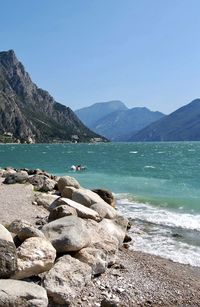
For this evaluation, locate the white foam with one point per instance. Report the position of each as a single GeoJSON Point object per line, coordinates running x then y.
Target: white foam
{"type": "Point", "coordinates": [148, 213]}
{"type": "Point", "coordinates": [154, 227]}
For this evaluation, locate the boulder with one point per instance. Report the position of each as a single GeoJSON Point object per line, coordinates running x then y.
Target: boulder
{"type": "Point", "coordinates": [66, 279]}
{"type": "Point", "coordinates": [104, 240]}
{"type": "Point", "coordinates": [61, 211]}
{"type": "Point", "coordinates": [17, 225]}
{"type": "Point", "coordinates": [29, 232]}
{"type": "Point", "coordinates": [68, 234]}
{"type": "Point", "coordinates": [86, 197]}
{"type": "Point", "coordinates": [17, 177]}
{"type": "Point", "coordinates": [5, 234]}
{"type": "Point", "coordinates": [68, 192]}
{"type": "Point", "coordinates": [115, 228]}
{"type": "Point", "coordinates": [45, 200]}
{"type": "Point", "coordinates": [104, 210]}
{"type": "Point", "coordinates": [95, 258]}
{"type": "Point", "coordinates": [8, 171]}
{"type": "Point", "coordinates": [48, 185]}
{"type": "Point", "coordinates": [35, 255]}
{"type": "Point", "coordinates": [67, 181]}
{"type": "Point", "coordinates": [8, 259]}
{"type": "Point", "coordinates": [106, 195]}
{"type": "Point", "coordinates": [81, 210]}
{"type": "Point", "coordinates": [42, 183]}
{"type": "Point", "coordinates": [21, 293]}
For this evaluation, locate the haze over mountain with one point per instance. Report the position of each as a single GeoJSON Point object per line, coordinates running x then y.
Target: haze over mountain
{"type": "Point", "coordinates": [30, 114]}
{"type": "Point", "coordinates": [181, 125]}
{"type": "Point", "coordinates": [115, 121]}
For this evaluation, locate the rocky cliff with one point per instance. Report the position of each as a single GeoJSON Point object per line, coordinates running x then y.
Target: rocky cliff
{"type": "Point", "coordinates": [30, 114]}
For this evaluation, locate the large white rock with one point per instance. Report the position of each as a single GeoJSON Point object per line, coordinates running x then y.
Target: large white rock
{"type": "Point", "coordinates": [68, 234]}
{"type": "Point", "coordinates": [86, 197]}
{"type": "Point", "coordinates": [81, 210]}
{"type": "Point", "coordinates": [5, 234]}
{"type": "Point", "coordinates": [20, 293]}
{"type": "Point", "coordinates": [67, 181]}
{"type": "Point", "coordinates": [115, 228]}
{"type": "Point", "coordinates": [35, 255]}
{"type": "Point", "coordinates": [104, 210]}
{"type": "Point", "coordinates": [66, 279]}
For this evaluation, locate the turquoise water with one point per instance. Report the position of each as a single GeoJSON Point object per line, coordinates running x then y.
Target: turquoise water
{"type": "Point", "coordinates": [156, 184]}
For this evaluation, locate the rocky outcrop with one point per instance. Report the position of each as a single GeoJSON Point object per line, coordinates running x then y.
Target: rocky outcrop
{"type": "Point", "coordinates": [29, 114]}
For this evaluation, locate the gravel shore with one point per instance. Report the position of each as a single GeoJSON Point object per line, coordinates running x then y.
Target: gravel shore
{"type": "Point", "coordinates": [137, 279]}
{"type": "Point", "coordinates": [16, 203]}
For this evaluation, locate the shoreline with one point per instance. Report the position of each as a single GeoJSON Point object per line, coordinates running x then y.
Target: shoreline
{"type": "Point", "coordinates": [136, 279]}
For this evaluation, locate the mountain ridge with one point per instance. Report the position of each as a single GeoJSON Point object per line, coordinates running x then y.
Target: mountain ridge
{"type": "Point", "coordinates": [30, 114]}
{"type": "Point", "coordinates": [120, 124]}
{"type": "Point", "coordinates": [181, 125]}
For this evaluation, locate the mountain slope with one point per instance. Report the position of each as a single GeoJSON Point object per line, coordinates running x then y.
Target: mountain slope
{"type": "Point", "coordinates": [181, 125]}
{"type": "Point", "coordinates": [90, 115]}
{"type": "Point", "coordinates": [120, 125]}
{"type": "Point", "coordinates": [28, 113]}
{"type": "Point", "coordinates": [115, 121]}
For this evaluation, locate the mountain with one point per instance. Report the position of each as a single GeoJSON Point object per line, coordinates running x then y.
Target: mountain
{"type": "Point", "coordinates": [30, 114]}
{"type": "Point", "coordinates": [181, 125]}
{"type": "Point", "coordinates": [115, 121]}
{"type": "Point", "coordinates": [90, 115]}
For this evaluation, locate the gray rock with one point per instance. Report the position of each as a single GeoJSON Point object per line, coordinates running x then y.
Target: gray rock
{"type": "Point", "coordinates": [8, 259]}
{"type": "Point", "coordinates": [67, 181]}
{"type": "Point", "coordinates": [81, 210]}
{"type": "Point", "coordinates": [86, 197]}
{"type": "Point", "coordinates": [66, 279]}
{"type": "Point", "coordinates": [34, 256]}
{"type": "Point", "coordinates": [29, 232]}
{"type": "Point", "coordinates": [42, 183]}
{"type": "Point", "coordinates": [95, 258]}
{"type": "Point", "coordinates": [68, 192]}
{"type": "Point", "coordinates": [104, 210]}
{"type": "Point", "coordinates": [17, 225]}
{"type": "Point", "coordinates": [17, 177]}
{"type": "Point", "coordinates": [7, 172]}
{"type": "Point", "coordinates": [115, 228]}
{"type": "Point", "coordinates": [106, 195]}
{"type": "Point", "coordinates": [45, 200]}
{"type": "Point", "coordinates": [68, 234]}
{"type": "Point", "coordinates": [20, 293]}
{"type": "Point", "coordinates": [5, 234]}
{"type": "Point", "coordinates": [61, 211]}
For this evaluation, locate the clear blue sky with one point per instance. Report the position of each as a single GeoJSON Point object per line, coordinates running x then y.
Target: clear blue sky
{"type": "Point", "coordinates": [143, 52]}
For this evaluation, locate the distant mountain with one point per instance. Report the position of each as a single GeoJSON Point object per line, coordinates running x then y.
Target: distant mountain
{"type": "Point", "coordinates": [115, 121]}
{"type": "Point", "coordinates": [30, 114]}
{"type": "Point", "coordinates": [90, 115]}
{"type": "Point", "coordinates": [181, 125]}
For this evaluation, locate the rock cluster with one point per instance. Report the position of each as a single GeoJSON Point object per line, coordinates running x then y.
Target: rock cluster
{"type": "Point", "coordinates": [80, 239]}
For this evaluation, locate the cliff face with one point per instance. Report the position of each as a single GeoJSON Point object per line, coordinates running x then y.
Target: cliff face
{"type": "Point", "coordinates": [28, 113]}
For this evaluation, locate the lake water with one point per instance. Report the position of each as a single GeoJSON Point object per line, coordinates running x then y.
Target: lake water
{"type": "Point", "coordinates": [157, 185]}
